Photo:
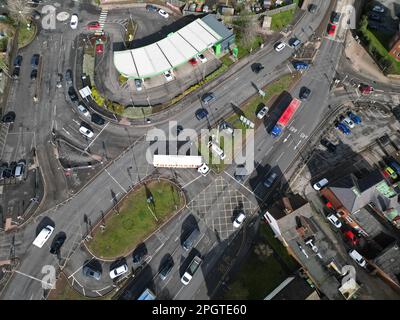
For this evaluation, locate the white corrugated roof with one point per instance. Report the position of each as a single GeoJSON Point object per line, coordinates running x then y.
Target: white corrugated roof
{"type": "Point", "coordinates": [167, 53]}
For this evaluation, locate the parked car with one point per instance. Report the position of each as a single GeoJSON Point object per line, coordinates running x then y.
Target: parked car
{"type": "Point", "coordinates": [9, 117]}
{"type": "Point", "coordinates": [18, 61]}
{"type": "Point", "coordinates": [300, 65]}
{"type": "Point", "coordinates": [168, 76]}
{"type": "Point", "coordinates": [34, 74]}
{"type": "Point", "coordinates": [86, 131]}
{"type": "Point", "coordinates": [208, 97]}
{"type": "Point", "coordinates": [343, 128]}
{"type": "Point", "coordinates": [193, 61]}
{"type": "Point", "coordinates": [351, 237]}
{"type": "Point", "coordinates": [99, 48]}
{"type": "Point", "coordinates": [95, 25]}
{"type": "Point", "coordinates": [166, 269]}
{"type": "Point", "coordinates": [201, 113]}
{"type": "Point", "coordinates": [375, 17]}
{"type": "Point", "coordinates": [97, 119]}
{"type": "Point", "coordinates": [118, 271]}
{"type": "Point", "coordinates": [320, 184]}
{"type": "Point", "coordinates": [83, 111]}
{"type": "Point", "coordinates": [239, 220]}
{"type": "Point", "coordinates": [312, 8]}
{"type": "Point", "coordinates": [138, 84]}
{"type": "Point", "coordinates": [191, 270]}
{"type": "Point", "coordinates": [365, 88]}
{"type": "Point", "coordinates": [335, 17]}
{"type": "Point", "coordinates": [59, 80]}
{"type": "Point", "coordinates": [328, 145]}
{"type": "Point", "coordinates": [256, 67]}
{"type": "Point", "coordinates": [72, 94]}
{"type": "Point", "coordinates": [331, 29]}
{"type": "Point", "coordinates": [91, 272]}
{"type": "Point", "coordinates": [357, 258]}
{"type": "Point", "coordinates": [139, 256]}
{"type": "Point", "coordinates": [347, 121]}
{"type": "Point", "coordinates": [263, 111]}
{"type": "Point", "coordinates": [355, 118]}
{"type": "Point", "coordinates": [279, 46]}
{"type": "Point", "coordinates": [68, 77]}
{"type": "Point", "coordinates": [15, 73]}
{"type": "Point", "coordinates": [391, 172]}
{"type": "Point", "coordinates": [332, 218]}
{"type": "Point", "coordinates": [294, 43]}
{"type": "Point", "coordinates": [74, 21]}
{"type": "Point", "coordinates": [202, 58]}
{"type": "Point", "coordinates": [57, 244]}
{"type": "Point", "coordinates": [19, 169]}
{"type": "Point", "coordinates": [203, 169]}
{"type": "Point", "coordinates": [35, 60]}
{"type": "Point", "coordinates": [304, 93]}
{"type": "Point", "coordinates": [163, 14]}
{"type": "Point", "coordinates": [269, 181]}
{"type": "Point", "coordinates": [151, 8]}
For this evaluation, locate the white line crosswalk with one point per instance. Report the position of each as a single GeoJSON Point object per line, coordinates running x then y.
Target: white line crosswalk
{"type": "Point", "coordinates": [103, 18]}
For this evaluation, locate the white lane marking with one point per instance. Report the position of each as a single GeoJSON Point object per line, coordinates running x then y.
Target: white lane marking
{"type": "Point", "coordinates": [280, 156]}
{"type": "Point", "coordinates": [187, 184]}
{"type": "Point", "coordinates": [31, 277]}
{"type": "Point", "coordinates": [116, 181]}
{"type": "Point", "coordinates": [96, 136]}
{"type": "Point", "coordinates": [284, 140]}
{"type": "Point", "coordinates": [295, 147]}
{"type": "Point", "coordinates": [66, 131]}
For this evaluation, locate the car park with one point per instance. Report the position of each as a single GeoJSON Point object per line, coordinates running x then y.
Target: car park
{"type": "Point", "coordinates": [72, 94]}
{"type": "Point", "coordinates": [74, 21]}
{"type": "Point", "coordinates": [304, 93]}
{"type": "Point", "coordinates": [151, 8]}
{"type": "Point", "coordinates": [34, 73]}
{"type": "Point", "coordinates": [269, 181]}
{"type": "Point", "coordinates": [335, 17]}
{"type": "Point", "coordinates": [331, 29]}
{"type": "Point", "coordinates": [204, 169]}
{"type": "Point", "coordinates": [97, 119]}
{"type": "Point", "coordinates": [138, 84]}
{"type": "Point", "coordinates": [263, 111]}
{"type": "Point", "coordinates": [320, 184]}
{"type": "Point", "coordinates": [328, 145]}
{"type": "Point", "coordinates": [83, 111]}
{"type": "Point", "coordinates": [193, 61]}
{"type": "Point", "coordinates": [208, 97]}
{"type": "Point", "coordinates": [166, 269]}
{"type": "Point", "coordinates": [239, 220]}
{"type": "Point", "coordinates": [279, 46]}
{"type": "Point", "coordinates": [378, 9]}
{"type": "Point", "coordinates": [163, 14]}
{"type": "Point", "coordinates": [334, 220]}
{"type": "Point", "coordinates": [57, 244]}
{"type": "Point", "coordinates": [95, 25]}
{"type": "Point", "coordinates": [18, 61]}
{"type": "Point", "coordinates": [355, 118]}
{"type": "Point", "coordinates": [201, 113]}
{"type": "Point", "coordinates": [118, 271]}
{"type": "Point", "coordinates": [35, 60]}
{"type": "Point", "coordinates": [256, 67]}
{"type": "Point", "coordinates": [294, 43]}
{"type": "Point", "coordinates": [91, 272]}
{"type": "Point", "coordinates": [9, 117]}
{"type": "Point", "coordinates": [343, 128]}
{"type": "Point", "coordinates": [43, 236]}
{"type": "Point", "coordinates": [202, 58]}
{"type": "Point", "coordinates": [357, 258]}
{"type": "Point", "coordinates": [168, 76]}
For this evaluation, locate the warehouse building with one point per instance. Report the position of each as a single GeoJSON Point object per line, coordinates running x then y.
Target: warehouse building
{"type": "Point", "coordinates": [174, 50]}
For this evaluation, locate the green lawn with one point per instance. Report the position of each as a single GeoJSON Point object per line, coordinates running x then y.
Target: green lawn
{"type": "Point", "coordinates": [24, 35]}
{"type": "Point", "coordinates": [245, 50]}
{"type": "Point", "coordinates": [136, 221]}
{"type": "Point", "coordinates": [282, 19]}
{"type": "Point", "coordinates": [261, 273]}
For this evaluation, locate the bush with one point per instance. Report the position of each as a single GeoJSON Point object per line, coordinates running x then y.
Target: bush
{"type": "Point", "coordinates": [99, 99]}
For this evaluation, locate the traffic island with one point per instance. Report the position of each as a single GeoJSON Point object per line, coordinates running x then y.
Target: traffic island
{"type": "Point", "coordinates": [133, 219]}
{"type": "Point", "coordinates": [26, 34]}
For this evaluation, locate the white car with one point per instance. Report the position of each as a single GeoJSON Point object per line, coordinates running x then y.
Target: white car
{"type": "Point", "coordinates": [168, 76]}
{"type": "Point", "coordinates": [357, 258]}
{"type": "Point", "coordinates": [334, 220]}
{"type": "Point", "coordinates": [86, 132]}
{"type": "Point", "coordinates": [74, 21]}
{"type": "Point", "coordinates": [43, 236]}
{"type": "Point", "coordinates": [261, 114]}
{"type": "Point", "coordinates": [84, 111]}
{"type": "Point", "coordinates": [202, 58]}
{"type": "Point", "coordinates": [239, 220]}
{"type": "Point", "coordinates": [320, 184]}
{"type": "Point", "coordinates": [203, 169]}
{"type": "Point", "coordinates": [162, 13]}
{"type": "Point", "coordinates": [116, 272]}
{"type": "Point", "coordinates": [279, 46]}
{"type": "Point", "coordinates": [378, 9]}
{"type": "Point", "coordinates": [349, 122]}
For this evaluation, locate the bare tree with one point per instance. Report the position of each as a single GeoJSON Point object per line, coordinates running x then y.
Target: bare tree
{"type": "Point", "coordinates": [248, 31]}
{"type": "Point", "coordinates": [20, 10]}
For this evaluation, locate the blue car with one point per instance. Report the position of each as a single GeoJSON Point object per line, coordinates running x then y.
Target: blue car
{"type": "Point", "coordinates": [355, 118]}
{"type": "Point", "coordinates": [342, 127]}
{"type": "Point", "coordinates": [300, 65]}
{"type": "Point", "coordinates": [201, 113]}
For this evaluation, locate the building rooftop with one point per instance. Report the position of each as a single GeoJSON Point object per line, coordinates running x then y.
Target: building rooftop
{"type": "Point", "coordinates": [389, 262]}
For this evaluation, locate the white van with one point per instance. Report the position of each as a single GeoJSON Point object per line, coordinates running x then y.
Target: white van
{"type": "Point", "coordinates": [43, 236]}
{"type": "Point", "coordinates": [217, 150]}
{"type": "Point", "coordinates": [358, 258]}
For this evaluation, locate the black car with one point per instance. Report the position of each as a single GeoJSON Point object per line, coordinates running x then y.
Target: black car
{"type": "Point", "coordinates": [151, 8]}
{"type": "Point", "coordinates": [35, 60]}
{"type": "Point", "coordinates": [97, 119]}
{"type": "Point", "coordinates": [335, 17]}
{"type": "Point", "coordinates": [375, 17]}
{"type": "Point", "coordinates": [56, 245]}
{"type": "Point", "coordinates": [12, 167]}
{"type": "Point", "coordinates": [166, 269]}
{"type": "Point", "coordinates": [329, 145]}
{"type": "Point", "coordinates": [9, 117]}
{"type": "Point", "coordinates": [201, 113]}
{"type": "Point", "coordinates": [18, 61]}
{"type": "Point", "coordinates": [7, 173]}
{"type": "Point", "coordinates": [68, 77]}
{"type": "Point", "coordinates": [139, 256]}
{"type": "Point", "coordinates": [304, 93]}
{"type": "Point", "coordinates": [72, 94]}
{"type": "Point", "coordinates": [33, 74]}
{"type": "Point", "coordinates": [312, 8]}
{"type": "Point", "coordinates": [256, 67]}
{"type": "Point", "coordinates": [15, 73]}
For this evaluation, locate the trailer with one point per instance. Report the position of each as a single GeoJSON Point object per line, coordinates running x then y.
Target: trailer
{"type": "Point", "coordinates": [285, 117]}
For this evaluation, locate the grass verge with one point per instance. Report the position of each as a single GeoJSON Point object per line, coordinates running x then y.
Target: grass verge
{"type": "Point", "coordinates": [25, 35]}
{"type": "Point", "coordinates": [136, 219]}
{"type": "Point", "coordinates": [282, 19]}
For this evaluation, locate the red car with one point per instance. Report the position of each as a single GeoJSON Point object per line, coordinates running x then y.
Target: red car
{"type": "Point", "coordinates": [331, 29]}
{"type": "Point", "coordinates": [354, 240]}
{"type": "Point", "coordinates": [365, 88]}
{"type": "Point", "coordinates": [193, 61]}
{"type": "Point", "coordinates": [99, 48]}
{"type": "Point", "coordinates": [93, 25]}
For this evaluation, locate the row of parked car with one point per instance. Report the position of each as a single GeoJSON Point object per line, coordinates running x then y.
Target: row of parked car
{"type": "Point", "coordinates": [12, 170]}
{"type": "Point", "coordinates": [346, 123]}
{"type": "Point", "coordinates": [18, 63]}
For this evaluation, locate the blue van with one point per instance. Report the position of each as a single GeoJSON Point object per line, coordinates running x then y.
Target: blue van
{"type": "Point", "coordinates": [300, 65]}
{"type": "Point", "coordinates": [395, 166]}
